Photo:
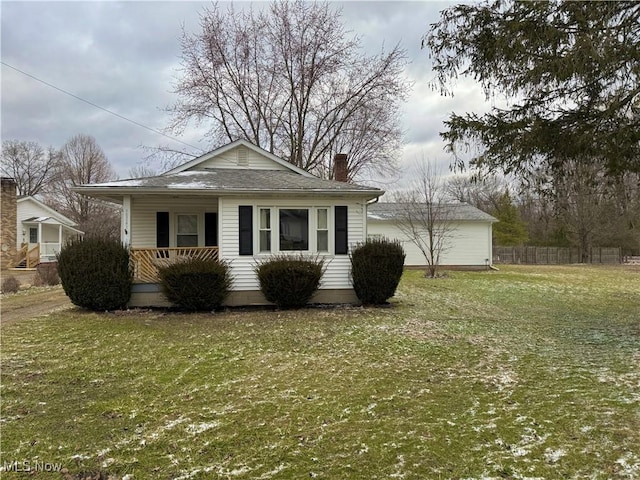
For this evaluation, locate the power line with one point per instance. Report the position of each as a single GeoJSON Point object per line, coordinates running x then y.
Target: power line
{"type": "Point", "coordinates": [99, 107]}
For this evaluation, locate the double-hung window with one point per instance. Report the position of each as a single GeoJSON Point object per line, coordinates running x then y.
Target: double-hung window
{"type": "Point", "coordinates": [187, 230]}
{"type": "Point", "coordinates": [322, 230]}
{"type": "Point", "coordinates": [265, 230]}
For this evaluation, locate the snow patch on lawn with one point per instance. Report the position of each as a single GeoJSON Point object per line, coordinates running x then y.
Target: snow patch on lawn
{"type": "Point", "coordinates": [630, 465]}
{"type": "Point", "coordinates": [201, 427]}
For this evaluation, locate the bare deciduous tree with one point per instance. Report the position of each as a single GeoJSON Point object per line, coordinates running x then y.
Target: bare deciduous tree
{"type": "Point", "coordinates": [290, 79]}
{"type": "Point", "coordinates": [483, 193]}
{"type": "Point", "coordinates": [29, 165]}
{"type": "Point", "coordinates": [425, 216]}
{"type": "Point", "coordinates": [82, 161]}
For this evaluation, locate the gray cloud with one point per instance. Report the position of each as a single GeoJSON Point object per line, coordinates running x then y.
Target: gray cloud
{"type": "Point", "coordinates": [124, 57]}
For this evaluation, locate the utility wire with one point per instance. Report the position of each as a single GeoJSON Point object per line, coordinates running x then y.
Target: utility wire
{"type": "Point", "coordinates": [99, 107]}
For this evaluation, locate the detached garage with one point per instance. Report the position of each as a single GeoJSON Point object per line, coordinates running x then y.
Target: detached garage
{"type": "Point", "coordinates": [468, 244]}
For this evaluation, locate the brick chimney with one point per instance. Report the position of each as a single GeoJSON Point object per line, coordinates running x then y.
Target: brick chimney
{"type": "Point", "coordinates": [340, 171]}
{"type": "Point", "coordinates": [8, 221]}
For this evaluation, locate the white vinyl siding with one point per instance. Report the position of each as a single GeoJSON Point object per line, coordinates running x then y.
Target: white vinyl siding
{"type": "Point", "coordinates": [143, 217]}
{"type": "Point", "coordinates": [469, 244]}
{"type": "Point", "coordinates": [240, 157]}
{"type": "Point", "coordinates": [27, 208]}
{"type": "Point", "coordinates": [338, 268]}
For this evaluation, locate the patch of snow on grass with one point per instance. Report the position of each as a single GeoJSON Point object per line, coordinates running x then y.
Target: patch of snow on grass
{"type": "Point", "coordinates": [273, 472]}
{"type": "Point", "coordinates": [201, 427]}
{"type": "Point", "coordinates": [552, 456]}
{"type": "Point", "coordinates": [630, 464]}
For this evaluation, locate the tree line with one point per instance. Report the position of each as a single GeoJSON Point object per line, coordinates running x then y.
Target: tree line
{"type": "Point", "coordinates": [564, 126]}
{"type": "Point", "coordinates": [50, 173]}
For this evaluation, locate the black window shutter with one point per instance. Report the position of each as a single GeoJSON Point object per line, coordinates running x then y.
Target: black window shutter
{"type": "Point", "coordinates": [210, 229]}
{"type": "Point", "coordinates": [162, 229]}
{"type": "Point", "coordinates": [341, 231]}
{"type": "Point", "coordinates": [245, 220]}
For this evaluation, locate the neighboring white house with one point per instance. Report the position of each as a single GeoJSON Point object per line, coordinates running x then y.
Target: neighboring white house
{"type": "Point", "coordinates": [40, 231]}
{"type": "Point", "coordinates": [469, 244]}
{"type": "Point", "coordinates": [239, 203]}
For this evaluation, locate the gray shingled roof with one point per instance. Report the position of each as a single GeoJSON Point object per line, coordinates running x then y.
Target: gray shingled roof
{"type": "Point", "coordinates": [225, 180]}
{"type": "Point", "coordinates": [456, 211]}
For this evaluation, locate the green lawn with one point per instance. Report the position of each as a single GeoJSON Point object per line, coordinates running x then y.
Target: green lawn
{"type": "Point", "coordinates": [530, 372]}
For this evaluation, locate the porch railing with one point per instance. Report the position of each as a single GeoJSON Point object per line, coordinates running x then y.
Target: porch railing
{"type": "Point", "coordinates": [49, 249]}
{"type": "Point", "coordinates": [147, 260]}
{"type": "Point", "coordinates": [33, 256]}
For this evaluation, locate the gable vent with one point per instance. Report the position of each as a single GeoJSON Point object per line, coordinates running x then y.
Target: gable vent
{"type": "Point", "coordinates": [243, 158]}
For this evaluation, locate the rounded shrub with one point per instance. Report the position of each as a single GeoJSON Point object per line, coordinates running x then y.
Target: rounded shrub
{"type": "Point", "coordinates": [376, 268]}
{"type": "Point", "coordinates": [95, 273]}
{"type": "Point", "coordinates": [46, 275]}
{"type": "Point", "coordinates": [10, 284]}
{"type": "Point", "coordinates": [195, 284]}
{"type": "Point", "coordinates": [290, 282]}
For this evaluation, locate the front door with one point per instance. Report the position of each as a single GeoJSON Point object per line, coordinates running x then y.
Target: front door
{"type": "Point", "coordinates": [33, 237]}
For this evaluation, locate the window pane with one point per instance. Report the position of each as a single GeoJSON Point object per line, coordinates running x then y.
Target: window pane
{"type": "Point", "coordinates": [323, 241]}
{"type": "Point", "coordinates": [322, 219]}
{"type": "Point", "coordinates": [265, 218]}
{"type": "Point", "coordinates": [33, 235]}
{"type": "Point", "coordinates": [187, 224]}
{"type": "Point", "coordinates": [265, 241]}
{"type": "Point", "coordinates": [187, 240]}
{"type": "Point", "coordinates": [294, 229]}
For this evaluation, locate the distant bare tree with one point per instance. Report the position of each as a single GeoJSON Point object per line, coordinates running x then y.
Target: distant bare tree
{"type": "Point", "coordinates": [290, 79]}
{"type": "Point", "coordinates": [82, 161]}
{"type": "Point", "coordinates": [483, 193]}
{"type": "Point", "coordinates": [425, 216]}
{"type": "Point", "coordinates": [29, 165]}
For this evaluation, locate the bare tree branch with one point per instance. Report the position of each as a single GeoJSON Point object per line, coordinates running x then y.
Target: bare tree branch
{"type": "Point", "coordinates": [29, 165]}
{"type": "Point", "coordinates": [425, 217]}
{"type": "Point", "coordinates": [291, 80]}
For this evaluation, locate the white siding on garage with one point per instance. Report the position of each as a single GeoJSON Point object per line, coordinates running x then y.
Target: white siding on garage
{"type": "Point", "coordinates": [337, 274]}
{"type": "Point", "coordinates": [143, 215]}
{"type": "Point", "coordinates": [469, 243]}
{"type": "Point", "coordinates": [241, 157]}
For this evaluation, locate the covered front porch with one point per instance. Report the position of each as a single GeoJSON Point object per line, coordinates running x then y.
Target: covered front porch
{"type": "Point", "coordinates": [41, 239]}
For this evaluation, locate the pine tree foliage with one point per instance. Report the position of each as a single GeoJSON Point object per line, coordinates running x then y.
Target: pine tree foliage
{"type": "Point", "coordinates": [569, 70]}
{"type": "Point", "coordinates": [510, 230]}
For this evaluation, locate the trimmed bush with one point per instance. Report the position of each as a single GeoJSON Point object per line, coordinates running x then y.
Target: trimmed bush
{"type": "Point", "coordinates": [376, 268]}
{"type": "Point", "coordinates": [95, 273]}
{"type": "Point", "coordinates": [46, 275]}
{"type": "Point", "coordinates": [290, 282]}
{"type": "Point", "coordinates": [10, 285]}
{"type": "Point", "coordinates": [195, 284]}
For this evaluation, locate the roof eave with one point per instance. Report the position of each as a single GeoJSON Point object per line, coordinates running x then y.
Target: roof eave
{"type": "Point", "coordinates": [106, 192]}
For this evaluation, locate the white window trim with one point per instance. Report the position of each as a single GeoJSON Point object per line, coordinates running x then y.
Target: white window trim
{"type": "Point", "coordinates": [275, 230]}
{"type": "Point", "coordinates": [173, 228]}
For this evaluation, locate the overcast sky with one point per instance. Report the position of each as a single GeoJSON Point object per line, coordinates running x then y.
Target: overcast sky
{"type": "Point", "coordinates": [124, 56]}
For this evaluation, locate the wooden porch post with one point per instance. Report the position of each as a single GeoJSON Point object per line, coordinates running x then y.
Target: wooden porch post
{"type": "Point", "coordinates": [125, 225]}
{"type": "Point", "coordinates": [60, 236]}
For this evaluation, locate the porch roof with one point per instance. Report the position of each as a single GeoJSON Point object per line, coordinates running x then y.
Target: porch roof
{"type": "Point", "coordinates": [227, 181]}
{"type": "Point", "coordinates": [51, 221]}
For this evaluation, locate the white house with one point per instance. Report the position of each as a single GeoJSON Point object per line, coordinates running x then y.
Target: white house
{"type": "Point", "coordinates": [40, 232]}
{"type": "Point", "coordinates": [468, 242]}
{"type": "Point", "coordinates": [239, 203]}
